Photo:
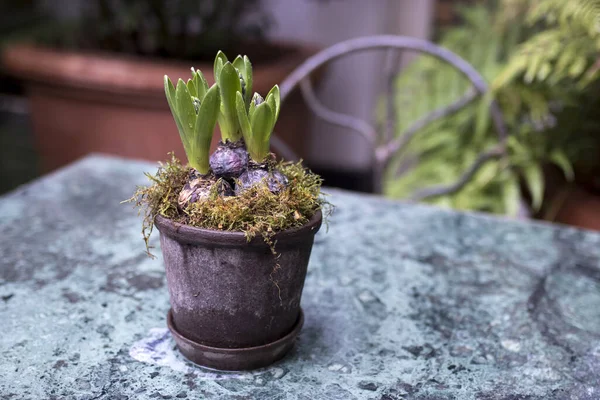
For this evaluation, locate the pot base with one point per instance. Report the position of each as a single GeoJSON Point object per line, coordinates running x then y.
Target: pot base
{"type": "Point", "coordinates": [226, 359]}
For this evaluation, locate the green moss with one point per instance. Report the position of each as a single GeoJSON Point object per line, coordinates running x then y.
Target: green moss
{"type": "Point", "coordinates": [256, 211]}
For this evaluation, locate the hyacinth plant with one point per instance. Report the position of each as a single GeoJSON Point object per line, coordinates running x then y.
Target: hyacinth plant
{"type": "Point", "coordinates": [230, 159]}
{"type": "Point", "coordinates": [195, 108]}
{"type": "Point", "coordinates": [240, 186]}
{"type": "Point", "coordinates": [257, 122]}
{"type": "Point", "coordinates": [246, 122]}
{"type": "Point", "coordinates": [232, 78]}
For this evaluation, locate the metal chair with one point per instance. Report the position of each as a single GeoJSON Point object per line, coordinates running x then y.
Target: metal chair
{"type": "Point", "coordinates": [385, 144]}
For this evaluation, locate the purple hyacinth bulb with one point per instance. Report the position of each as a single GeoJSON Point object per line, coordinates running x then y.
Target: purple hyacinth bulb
{"type": "Point", "coordinates": [229, 161]}
{"type": "Point", "coordinates": [200, 187]}
{"type": "Point", "coordinates": [275, 180]}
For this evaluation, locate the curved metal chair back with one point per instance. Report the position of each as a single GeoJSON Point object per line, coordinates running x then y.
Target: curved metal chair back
{"type": "Point", "coordinates": [385, 144]}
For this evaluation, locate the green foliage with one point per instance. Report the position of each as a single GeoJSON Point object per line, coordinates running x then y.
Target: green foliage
{"type": "Point", "coordinates": [232, 78]}
{"type": "Point", "coordinates": [182, 29]}
{"type": "Point", "coordinates": [258, 121]}
{"type": "Point", "coordinates": [541, 59]}
{"type": "Point", "coordinates": [195, 108]}
{"type": "Point", "coordinates": [229, 85]}
{"type": "Point", "coordinates": [244, 68]}
{"type": "Point", "coordinates": [577, 16]}
{"type": "Point", "coordinates": [565, 50]}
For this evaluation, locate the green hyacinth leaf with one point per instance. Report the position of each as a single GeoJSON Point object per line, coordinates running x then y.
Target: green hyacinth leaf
{"type": "Point", "coordinates": [261, 124]}
{"type": "Point", "coordinates": [220, 60]}
{"type": "Point", "coordinates": [248, 77]}
{"type": "Point", "coordinates": [201, 84]}
{"type": "Point", "coordinates": [207, 114]}
{"type": "Point", "coordinates": [224, 125]}
{"type": "Point", "coordinates": [242, 114]}
{"type": "Point", "coordinates": [192, 88]}
{"type": "Point", "coordinates": [185, 108]}
{"type": "Point", "coordinates": [251, 108]}
{"type": "Point", "coordinates": [238, 63]}
{"type": "Point", "coordinates": [204, 128]}
{"type": "Point", "coordinates": [229, 85]}
{"type": "Point", "coordinates": [170, 94]}
{"type": "Point", "coordinates": [195, 78]}
{"type": "Point", "coordinates": [274, 100]}
{"type": "Point", "coordinates": [217, 70]}
{"type": "Point", "coordinates": [221, 56]}
{"type": "Point", "coordinates": [271, 102]}
{"type": "Point", "coordinates": [171, 99]}
{"type": "Point", "coordinates": [185, 111]}
{"type": "Point", "coordinates": [255, 99]}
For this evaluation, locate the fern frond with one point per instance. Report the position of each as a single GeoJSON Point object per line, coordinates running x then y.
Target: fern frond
{"type": "Point", "coordinates": [574, 15]}
{"type": "Point", "coordinates": [446, 148]}
{"type": "Point", "coordinates": [566, 49]}
{"type": "Point", "coordinates": [553, 55]}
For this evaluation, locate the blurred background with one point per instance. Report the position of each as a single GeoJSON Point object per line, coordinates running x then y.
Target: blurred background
{"type": "Point", "coordinates": [86, 76]}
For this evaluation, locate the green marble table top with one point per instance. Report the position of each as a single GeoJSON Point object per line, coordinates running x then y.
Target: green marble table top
{"type": "Point", "coordinates": [402, 301]}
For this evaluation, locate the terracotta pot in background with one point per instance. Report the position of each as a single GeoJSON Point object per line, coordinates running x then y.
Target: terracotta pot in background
{"type": "Point", "coordinates": [574, 203]}
{"type": "Point", "coordinates": [579, 207]}
{"type": "Point", "coordinates": [87, 102]}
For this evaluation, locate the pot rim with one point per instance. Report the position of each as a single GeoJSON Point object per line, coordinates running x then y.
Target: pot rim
{"type": "Point", "coordinates": [193, 235]}
{"type": "Point", "coordinates": [124, 74]}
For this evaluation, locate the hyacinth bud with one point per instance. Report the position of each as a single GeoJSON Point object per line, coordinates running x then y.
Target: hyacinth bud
{"type": "Point", "coordinates": [243, 84]}
{"type": "Point", "coordinates": [257, 99]}
{"type": "Point", "coordinates": [196, 103]}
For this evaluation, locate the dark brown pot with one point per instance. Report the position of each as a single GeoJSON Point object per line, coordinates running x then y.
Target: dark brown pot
{"type": "Point", "coordinates": [227, 293]}
{"type": "Point", "coordinates": [88, 102]}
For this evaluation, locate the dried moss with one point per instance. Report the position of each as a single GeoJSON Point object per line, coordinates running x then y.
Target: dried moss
{"type": "Point", "coordinates": [256, 211]}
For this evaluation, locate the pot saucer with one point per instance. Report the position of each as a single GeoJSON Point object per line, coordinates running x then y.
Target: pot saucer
{"type": "Point", "coordinates": [226, 359]}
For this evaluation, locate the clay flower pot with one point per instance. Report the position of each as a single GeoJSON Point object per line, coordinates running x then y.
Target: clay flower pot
{"type": "Point", "coordinates": [234, 305]}
{"type": "Point", "coordinates": [580, 208]}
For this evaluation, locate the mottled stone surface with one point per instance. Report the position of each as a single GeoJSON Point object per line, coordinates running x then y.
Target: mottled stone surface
{"type": "Point", "coordinates": [401, 302]}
